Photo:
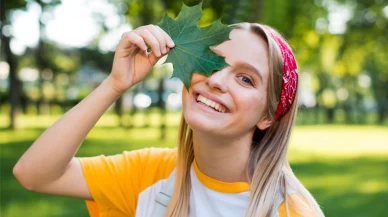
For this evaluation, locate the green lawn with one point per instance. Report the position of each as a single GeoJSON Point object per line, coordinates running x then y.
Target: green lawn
{"type": "Point", "coordinates": [345, 167]}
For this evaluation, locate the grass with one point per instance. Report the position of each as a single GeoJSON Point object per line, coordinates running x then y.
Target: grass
{"type": "Point", "coordinates": [344, 167]}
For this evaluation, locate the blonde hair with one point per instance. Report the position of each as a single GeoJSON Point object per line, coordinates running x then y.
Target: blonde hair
{"type": "Point", "coordinates": [268, 171]}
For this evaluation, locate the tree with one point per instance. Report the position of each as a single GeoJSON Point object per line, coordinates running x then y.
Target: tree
{"type": "Point", "coordinates": [14, 83]}
{"type": "Point", "coordinates": [367, 30]}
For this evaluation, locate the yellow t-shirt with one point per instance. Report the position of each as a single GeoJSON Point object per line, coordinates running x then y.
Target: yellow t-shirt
{"type": "Point", "coordinates": [126, 185]}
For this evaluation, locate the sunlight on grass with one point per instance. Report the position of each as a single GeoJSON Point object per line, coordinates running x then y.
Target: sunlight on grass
{"type": "Point", "coordinates": [372, 187]}
{"type": "Point", "coordinates": [339, 141]}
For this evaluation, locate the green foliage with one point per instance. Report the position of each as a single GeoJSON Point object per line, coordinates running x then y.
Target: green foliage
{"type": "Point", "coordinates": [14, 4]}
{"type": "Point", "coordinates": [276, 12]}
{"type": "Point", "coordinates": [192, 44]}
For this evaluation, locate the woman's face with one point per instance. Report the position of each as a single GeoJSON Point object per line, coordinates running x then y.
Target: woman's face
{"type": "Point", "coordinates": [231, 102]}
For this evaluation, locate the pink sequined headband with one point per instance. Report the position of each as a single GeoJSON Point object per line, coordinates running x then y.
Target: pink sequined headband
{"type": "Point", "coordinates": [290, 74]}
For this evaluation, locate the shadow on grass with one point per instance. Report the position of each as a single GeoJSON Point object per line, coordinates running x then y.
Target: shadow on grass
{"type": "Point", "coordinates": [344, 187]}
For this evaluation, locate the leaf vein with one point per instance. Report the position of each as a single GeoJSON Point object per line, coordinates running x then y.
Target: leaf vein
{"type": "Point", "coordinates": [196, 56]}
{"type": "Point", "coordinates": [188, 21]}
{"type": "Point", "coordinates": [201, 39]}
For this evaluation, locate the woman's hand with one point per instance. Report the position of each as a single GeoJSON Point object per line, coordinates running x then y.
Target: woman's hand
{"type": "Point", "coordinates": [132, 62]}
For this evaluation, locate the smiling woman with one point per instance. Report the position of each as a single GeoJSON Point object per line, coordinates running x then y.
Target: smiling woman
{"type": "Point", "coordinates": [237, 89]}
{"type": "Point", "coordinates": [233, 139]}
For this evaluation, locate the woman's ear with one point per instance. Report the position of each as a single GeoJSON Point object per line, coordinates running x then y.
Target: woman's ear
{"type": "Point", "coordinates": [264, 124]}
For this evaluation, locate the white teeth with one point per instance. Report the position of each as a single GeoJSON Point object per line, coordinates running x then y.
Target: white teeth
{"type": "Point", "coordinates": [210, 103]}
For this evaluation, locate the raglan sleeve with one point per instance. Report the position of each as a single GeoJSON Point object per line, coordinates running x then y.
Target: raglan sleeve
{"type": "Point", "coordinates": [115, 182]}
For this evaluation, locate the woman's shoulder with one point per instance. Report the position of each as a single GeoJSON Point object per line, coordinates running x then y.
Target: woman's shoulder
{"type": "Point", "coordinates": [154, 164]}
{"type": "Point", "coordinates": [294, 206]}
{"type": "Point", "coordinates": [152, 153]}
{"type": "Point", "coordinates": [296, 199]}
{"type": "Point", "coordinates": [155, 159]}
{"type": "Point", "coordinates": [141, 158]}
{"type": "Point", "coordinates": [158, 162]}
{"type": "Point", "coordinates": [298, 206]}
{"type": "Point", "coordinates": [292, 200]}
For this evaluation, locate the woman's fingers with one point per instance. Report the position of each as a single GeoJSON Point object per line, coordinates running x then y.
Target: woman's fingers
{"type": "Point", "coordinates": [154, 36]}
{"type": "Point", "coordinates": [170, 43]}
{"type": "Point", "coordinates": [153, 58]}
{"type": "Point", "coordinates": [159, 36]}
{"type": "Point", "coordinates": [130, 38]}
{"type": "Point", "coordinates": [150, 39]}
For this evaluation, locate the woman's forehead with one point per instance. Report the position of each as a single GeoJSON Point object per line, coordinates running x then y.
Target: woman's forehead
{"type": "Point", "coordinates": [245, 46]}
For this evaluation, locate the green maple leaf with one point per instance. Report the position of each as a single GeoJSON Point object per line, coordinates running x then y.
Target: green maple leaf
{"type": "Point", "coordinates": [192, 44]}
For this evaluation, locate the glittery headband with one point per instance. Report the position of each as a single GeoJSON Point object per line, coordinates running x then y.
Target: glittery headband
{"type": "Point", "coordinates": [290, 74]}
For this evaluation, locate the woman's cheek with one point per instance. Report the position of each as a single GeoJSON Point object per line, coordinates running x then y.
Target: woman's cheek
{"type": "Point", "coordinates": [196, 77]}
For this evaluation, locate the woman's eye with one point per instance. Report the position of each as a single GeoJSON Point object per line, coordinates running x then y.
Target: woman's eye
{"type": "Point", "coordinates": [246, 80]}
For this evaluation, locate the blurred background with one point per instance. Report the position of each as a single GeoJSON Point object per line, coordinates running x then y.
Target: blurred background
{"type": "Point", "coordinates": [54, 53]}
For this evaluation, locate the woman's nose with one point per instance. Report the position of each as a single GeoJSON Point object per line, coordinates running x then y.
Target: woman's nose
{"type": "Point", "coordinates": [218, 80]}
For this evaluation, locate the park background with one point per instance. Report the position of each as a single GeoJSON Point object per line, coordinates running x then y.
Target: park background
{"type": "Point", "coordinates": [54, 53]}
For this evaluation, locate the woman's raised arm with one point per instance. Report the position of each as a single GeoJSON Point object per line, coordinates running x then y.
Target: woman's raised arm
{"type": "Point", "coordinates": [49, 166]}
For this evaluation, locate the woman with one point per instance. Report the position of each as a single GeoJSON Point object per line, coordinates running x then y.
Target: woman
{"type": "Point", "coordinates": [234, 135]}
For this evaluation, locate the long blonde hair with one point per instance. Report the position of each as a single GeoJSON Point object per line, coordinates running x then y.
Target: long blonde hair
{"type": "Point", "coordinates": [268, 171]}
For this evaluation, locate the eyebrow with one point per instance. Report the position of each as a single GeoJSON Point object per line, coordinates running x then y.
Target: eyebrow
{"type": "Point", "coordinates": [250, 67]}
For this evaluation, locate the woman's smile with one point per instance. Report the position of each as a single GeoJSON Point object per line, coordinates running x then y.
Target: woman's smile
{"type": "Point", "coordinates": [210, 104]}
{"type": "Point", "coordinates": [210, 101]}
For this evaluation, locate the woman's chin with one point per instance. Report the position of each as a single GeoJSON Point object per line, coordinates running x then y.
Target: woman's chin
{"type": "Point", "coordinates": [203, 125]}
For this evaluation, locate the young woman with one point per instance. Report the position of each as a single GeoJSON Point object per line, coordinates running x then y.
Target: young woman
{"type": "Point", "coordinates": [231, 159]}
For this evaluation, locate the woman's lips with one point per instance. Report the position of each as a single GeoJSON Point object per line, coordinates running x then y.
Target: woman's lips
{"type": "Point", "coordinates": [210, 103]}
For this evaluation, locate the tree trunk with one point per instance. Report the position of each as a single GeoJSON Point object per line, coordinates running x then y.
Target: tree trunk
{"type": "Point", "coordinates": [162, 106]}
{"type": "Point", "coordinates": [381, 117]}
{"type": "Point", "coordinates": [382, 111]}
{"type": "Point", "coordinates": [361, 113]}
{"type": "Point", "coordinates": [348, 112]}
{"type": "Point", "coordinates": [330, 115]}
{"type": "Point", "coordinates": [258, 12]}
{"type": "Point", "coordinates": [41, 62]}
{"type": "Point", "coordinates": [133, 109]}
{"type": "Point", "coordinates": [316, 112]}
{"type": "Point", "coordinates": [119, 109]}
{"type": "Point", "coordinates": [14, 84]}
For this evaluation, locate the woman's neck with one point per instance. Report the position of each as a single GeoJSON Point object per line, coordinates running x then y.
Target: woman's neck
{"type": "Point", "coordinates": [222, 159]}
